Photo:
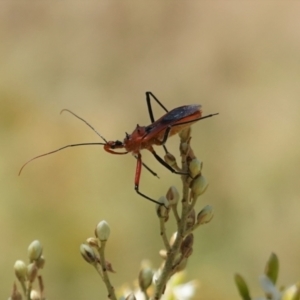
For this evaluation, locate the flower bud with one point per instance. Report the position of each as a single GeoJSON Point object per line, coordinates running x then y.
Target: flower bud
{"type": "Point", "coordinates": [163, 253]}
{"type": "Point", "coordinates": [88, 254]}
{"type": "Point", "coordinates": [186, 247]}
{"type": "Point", "coordinates": [184, 148]}
{"type": "Point", "coordinates": [205, 215]}
{"type": "Point", "coordinates": [145, 278]}
{"type": "Point", "coordinates": [185, 134]}
{"type": "Point", "coordinates": [40, 262]}
{"type": "Point", "coordinates": [35, 295]}
{"type": "Point", "coordinates": [195, 167]}
{"type": "Point", "coordinates": [102, 231]}
{"type": "Point", "coordinates": [172, 195]}
{"type": "Point", "coordinates": [130, 297]}
{"type": "Point", "coordinates": [93, 242]}
{"type": "Point", "coordinates": [170, 160]}
{"type": "Point", "coordinates": [20, 270]}
{"type": "Point", "coordinates": [269, 288]}
{"type": "Point", "coordinates": [199, 186]}
{"type": "Point", "coordinates": [35, 250]}
{"type": "Point", "coordinates": [162, 209]}
{"type": "Point", "coordinates": [32, 271]}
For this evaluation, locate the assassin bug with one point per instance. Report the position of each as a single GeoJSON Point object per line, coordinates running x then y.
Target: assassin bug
{"type": "Point", "coordinates": [144, 137]}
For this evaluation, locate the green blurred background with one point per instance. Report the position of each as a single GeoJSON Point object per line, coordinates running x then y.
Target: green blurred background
{"type": "Point", "coordinates": [241, 59]}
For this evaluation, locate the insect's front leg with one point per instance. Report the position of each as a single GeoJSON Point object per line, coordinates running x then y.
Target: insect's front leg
{"type": "Point", "coordinates": [161, 161]}
{"type": "Point", "coordinates": [138, 171]}
{"type": "Point", "coordinates": [148, 100]}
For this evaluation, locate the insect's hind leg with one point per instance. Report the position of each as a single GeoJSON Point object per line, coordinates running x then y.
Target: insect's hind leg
{"type": "Point", "coordinates": [150, 111]}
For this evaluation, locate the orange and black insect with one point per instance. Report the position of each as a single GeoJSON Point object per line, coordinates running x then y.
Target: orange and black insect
{"type": "Point", "coordinates": [144, 137]}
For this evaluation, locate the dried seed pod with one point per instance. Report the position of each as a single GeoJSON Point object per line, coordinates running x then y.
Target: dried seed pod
{"type": "Point", "coordinates": [88, 254]}
{"type": "Point", "coordinates": [186, 247]}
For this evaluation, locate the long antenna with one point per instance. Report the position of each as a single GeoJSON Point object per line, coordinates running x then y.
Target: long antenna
{"type": "Point", "coordinates": [72, 145]}
{"type": "Point", "coordinates": [88, 124]}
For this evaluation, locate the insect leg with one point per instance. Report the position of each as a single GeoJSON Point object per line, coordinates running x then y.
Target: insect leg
{"type": "Point", "coordinates": [148, 100]}
{"type": "Point", "coordinates": [150, 170]}
{"type": "Point", "coordinates": [160, 160]}
{"type": "Point", "coordinates": [137, 179]}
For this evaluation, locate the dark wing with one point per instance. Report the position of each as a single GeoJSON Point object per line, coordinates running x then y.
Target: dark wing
{"type": "Point", "coordinates": [170, 118]}
{"type": "Point", "coordinates": [178, 113]}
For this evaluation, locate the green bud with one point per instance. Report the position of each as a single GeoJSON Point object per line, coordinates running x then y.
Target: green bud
{"type": "Point", "coordinates": [242, 287]}
{"type": "Point", "coordinates": [272, 268]}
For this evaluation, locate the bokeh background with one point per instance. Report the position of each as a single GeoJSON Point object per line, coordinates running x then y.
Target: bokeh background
{"type": "Point", "coordinates": [241, 59]}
